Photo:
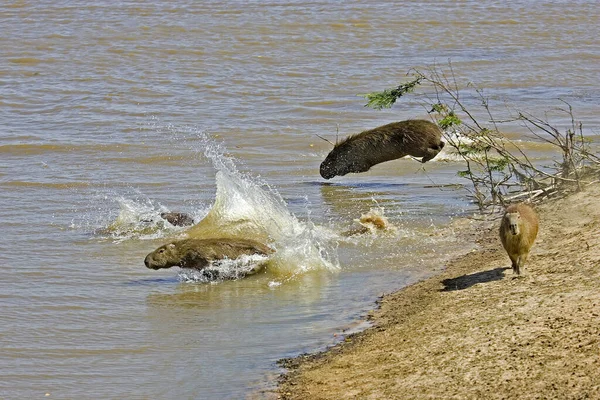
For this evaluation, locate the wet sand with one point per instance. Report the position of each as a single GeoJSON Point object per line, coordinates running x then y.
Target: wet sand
{"type": "Point", "coordinates": [478, 331]}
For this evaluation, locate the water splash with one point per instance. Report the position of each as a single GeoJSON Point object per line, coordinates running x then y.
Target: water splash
{"type": "Point", "coordinates": [373, 222]}
{"type": "Point", "coordinates": [226, 269]}
{"type": "Point", "coordinates": [138, 218]}
{"type": "Point", "coordinates": [246, 207]}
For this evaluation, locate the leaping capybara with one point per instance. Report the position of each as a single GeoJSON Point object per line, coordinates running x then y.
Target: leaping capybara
{"type": "Point", "coordinates": [177, 219]}
{"type": "Point", "coordinates": [358, 153]}
{"type": "Point", "coordinates": [518, 230]}
{"type": "Point", "coordinates": [199, 253]}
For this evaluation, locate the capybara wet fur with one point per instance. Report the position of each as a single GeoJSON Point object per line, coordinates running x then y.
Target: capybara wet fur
{"type": "Point", "coordinates": [518, 230]}
{"type": "Point", "coordinates": [358, 153]}
{"type": "Point", "coordinates": [200, 253]}
{"type": "Point", "coordinates": [177, 219]}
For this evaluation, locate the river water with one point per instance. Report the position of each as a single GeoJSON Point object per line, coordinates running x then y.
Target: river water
{"type": "Point", "coordinates": [113, 112]}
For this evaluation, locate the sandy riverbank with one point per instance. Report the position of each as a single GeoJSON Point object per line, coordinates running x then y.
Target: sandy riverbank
{"type": "Point", "coordinates": [476, 331]}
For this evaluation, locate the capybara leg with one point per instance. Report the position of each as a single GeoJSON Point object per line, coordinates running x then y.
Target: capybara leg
{"type": "Point", "coordinates": [430, 154]}
{"type": "Point", "coordinates": [516, 268]}
{"type": "Point", "coordinates": [522, 261]}
{"type": "Point", "coordinates": [515, 264]}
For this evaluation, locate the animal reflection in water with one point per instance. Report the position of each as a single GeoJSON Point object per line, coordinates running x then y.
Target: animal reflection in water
{"type": "Point", "coordinates": [358, 153]}
{"type": "Point", "coordinates": [205, 254]}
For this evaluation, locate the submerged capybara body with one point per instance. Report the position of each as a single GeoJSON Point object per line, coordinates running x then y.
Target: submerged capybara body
{"type": "Point", "coordinates": [177, 219]}
{"type": "Point", "coordinates": [199, 253]}
{"type": "Point", "coordinates": [518, 230]}
{"type": "Point", "coordinates": [358, 153]}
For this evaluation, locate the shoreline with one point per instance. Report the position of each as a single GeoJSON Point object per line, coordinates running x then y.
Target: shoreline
{"type": "Point", "coordinates": [476, 331]}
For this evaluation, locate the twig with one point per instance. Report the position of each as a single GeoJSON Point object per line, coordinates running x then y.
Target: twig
{"type": "Point", "coordinates": [327, 140]}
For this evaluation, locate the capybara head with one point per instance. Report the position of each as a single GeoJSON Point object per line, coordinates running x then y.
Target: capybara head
{"type": "Point", "coordinates": [177, 219]}
{"type": "Point", "coordinates": [166, 256]}
{"type": "Point", "coordinates": [341, 161]}
{"type": "Point", "coordinates": [512, 220]}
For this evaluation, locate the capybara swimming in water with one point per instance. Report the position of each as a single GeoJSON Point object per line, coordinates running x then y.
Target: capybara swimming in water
{"type": "Point", "coordinates": [518, 230]}
{"type": "Point", "coordinates": [177, 219]}
{"type": "Point", "coordinates": [358, 153]}
{"type": "Point", "coordinates": [199, 253]}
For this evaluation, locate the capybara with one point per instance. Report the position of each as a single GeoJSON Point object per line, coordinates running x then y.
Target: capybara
{"type": "Point", "coordinates": [199, 253]}
{"type": "Point", "coordinates": [518, 230]}
{"type": "Point", "coordinates": [358, 153]}
{"type": "Point", "coordinates": [177, 219]}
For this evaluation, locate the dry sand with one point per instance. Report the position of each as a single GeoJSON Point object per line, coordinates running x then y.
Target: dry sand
{"type": "Point", "coordinates": [476, 331]}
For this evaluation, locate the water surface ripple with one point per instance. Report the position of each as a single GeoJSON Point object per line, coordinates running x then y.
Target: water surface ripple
{"type": "Point", "coordinates": [113, 112]}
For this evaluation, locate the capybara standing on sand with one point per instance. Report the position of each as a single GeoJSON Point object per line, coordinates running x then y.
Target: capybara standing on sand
{"type": "Point", "coordinates": [358, 153]}
{"type": "Point", "coordinates": [199, 253]}
{"type": "Point", "coordinates": [518, 230]}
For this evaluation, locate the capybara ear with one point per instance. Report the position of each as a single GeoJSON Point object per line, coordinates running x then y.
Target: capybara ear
{"type": "Point", "coordinates": [171, 246]}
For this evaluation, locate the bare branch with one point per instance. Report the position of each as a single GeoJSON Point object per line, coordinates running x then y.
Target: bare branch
{"type": "Point", "coordinates": [327, 140]}
{"type": "Point", "coordinates": [497, 167]}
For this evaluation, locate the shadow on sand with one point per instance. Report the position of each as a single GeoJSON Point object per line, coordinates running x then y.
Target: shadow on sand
{"type": "Point", "coordinates": [466, 281]}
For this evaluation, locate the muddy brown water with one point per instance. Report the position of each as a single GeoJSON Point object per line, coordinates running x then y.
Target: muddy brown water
{"type": "Point", "coordinates": [114, 112]}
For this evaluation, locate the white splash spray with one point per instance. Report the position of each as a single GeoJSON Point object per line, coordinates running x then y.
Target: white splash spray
{"type": "Point", "coordinates": [248, 208]}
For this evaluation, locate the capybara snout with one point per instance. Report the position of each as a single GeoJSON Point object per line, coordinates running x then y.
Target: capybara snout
{"type": "Point", "coordinates": [339, 165]}
{"type": "Point", "coordinates": [148, 263]}
{"type": "Point", "coordinates": [327, 169]}
{"type": "Point", "coordinates": [164, 257]}
{"type": "Point", "coordinates": [513, 222]}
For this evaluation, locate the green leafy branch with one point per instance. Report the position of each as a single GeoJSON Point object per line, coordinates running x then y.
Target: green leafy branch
{"type": "Point", "coordinates": [498, 168]}
{"type": "Point", "coordinates": [387, 98]}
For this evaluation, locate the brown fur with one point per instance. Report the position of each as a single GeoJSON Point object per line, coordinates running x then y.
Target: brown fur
{"type": "Point", "coordinates": [358, 153]}
{"type": "Point", "coordinates": [177, 219]}
{"type": "Point", "coordinates": [518, 230]}
{"type": "Point", "coordinates": [199, 253]}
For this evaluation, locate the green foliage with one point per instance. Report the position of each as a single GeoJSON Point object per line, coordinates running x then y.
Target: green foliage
{"type": "Point", "coordinates": [484, 132]}
{"type": "Point", "coordinates": [387, 98]}
{"type": "Point", "coordinates": [497, 172]}
{"type": "Point", "coordinates": [439, 108]}
{"type": "Point", "coordinates": [449, 121]}
{"type": "Point", "coordinates": [471, 149]}
{"type": "Point", "coordinates": [449, 118]}
{"type": "Point", "coordinates": [498, 164]}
